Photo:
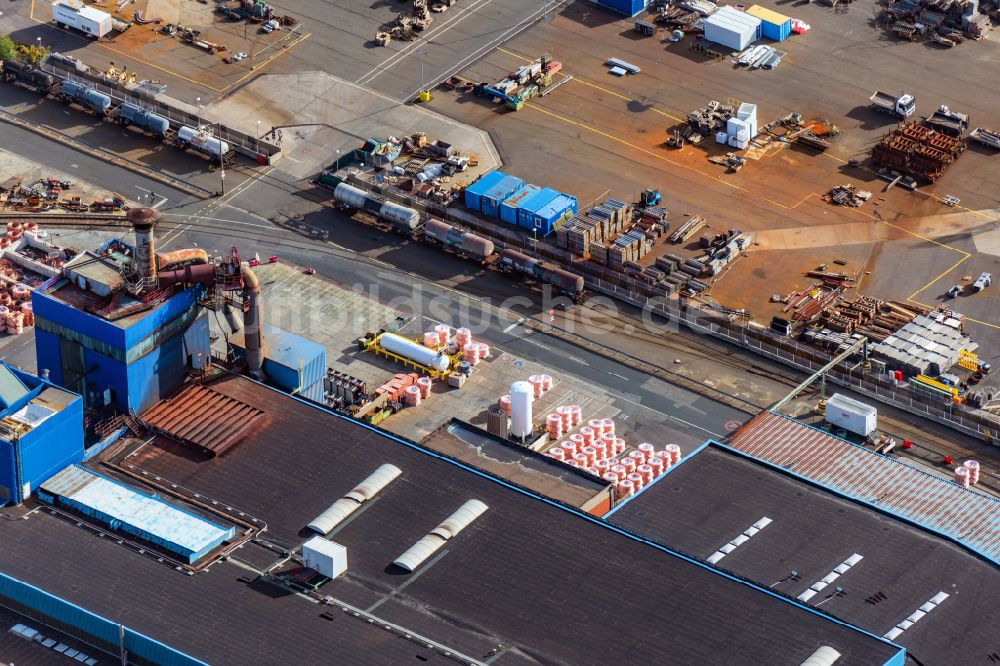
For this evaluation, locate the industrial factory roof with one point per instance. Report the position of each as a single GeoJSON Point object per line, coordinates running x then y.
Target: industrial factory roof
{"type": "Point", "coordinates": [710, 501]}
{"type": "Point", "coordinates": [96, 269]}
{"type": "Point", "coordinates": [529, 581]}
{"type": "Point", "coordinates": [12, 389]}
{"type": "Point", "coordinates": [123, 504]}
{"type": "Point", "coordinates": [203, 418]}
{"type": "Point", "coordinates": [965, 516]}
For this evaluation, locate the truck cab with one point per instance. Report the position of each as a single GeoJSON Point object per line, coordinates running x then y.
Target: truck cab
{"type": "Point", "coordinates": [982, 282]}
{"type": "Point", "coordinates": [906, 104]}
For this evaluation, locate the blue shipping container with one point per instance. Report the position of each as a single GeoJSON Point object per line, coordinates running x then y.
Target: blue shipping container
{"type": "Point", "coordinates": [628, 7]}
{"type": "Point", "coordinates": [526, 214]}
{"type": "Point", "coordinates": [493, 197]}
{"type": "Point", "coordinates": [548, 213]}
{"type": "Point", "coordinates": [510, 208]}
{"type": "Point", "coordinates": [477, 189]}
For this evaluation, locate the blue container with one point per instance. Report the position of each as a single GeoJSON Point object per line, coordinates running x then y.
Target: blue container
{"type": "Point", "coordinates": [496, 195]}
{"type": "Point", "coordinates": [526, 214]}
{"type": "Point", "coordinates": [777, 32]}
{"type": "Point", "coordinates": [510, 208]}
{"type": "Point", "coordinates": [555, 212]}
{"type": "Point", "coordinates": [477, 189]}
{"type": "Point", "coordinates": [627, 7]}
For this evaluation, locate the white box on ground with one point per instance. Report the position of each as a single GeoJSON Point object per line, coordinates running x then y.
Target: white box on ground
{"type": "Point", "coordinates": [75, 14]}
{"type": "Point", "coordinates": [851, 415]}
{"type": "Point", "coordinates": [325, 556]}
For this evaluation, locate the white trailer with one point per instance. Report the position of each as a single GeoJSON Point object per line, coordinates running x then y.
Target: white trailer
{"type": "Point", "coordinates": [75, 14]}
{"type": "Point", "coordinates": [851, 415]}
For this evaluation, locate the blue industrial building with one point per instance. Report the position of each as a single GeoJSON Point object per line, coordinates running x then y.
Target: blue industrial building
{"type": "Point", "coordinates": [127, 510]}
{"type": "Point", "coordinates": [114, 349]}
{"type": "Point", "coordinates": [627, 7]}
{"type": "Point", "coordinates": [292, 363]}
{"type": "Point", "coordinates": [41, 432]}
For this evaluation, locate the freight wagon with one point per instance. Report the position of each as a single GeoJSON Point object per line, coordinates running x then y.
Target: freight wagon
{"type": "Point", "coordinates": [130, 115]}
{"type": "Point", "coordinates": [398, 217]}
{"type": "Point", "coordinates": [84, 96]}
{"type": "Point", "coordinates": [569, 283]}
{"type": "Point", "coordinates": [446, 235]}
{"type": "Point", "coordinates": [203, 143]}
{"type": "Point", "coordinates": [28, 76]}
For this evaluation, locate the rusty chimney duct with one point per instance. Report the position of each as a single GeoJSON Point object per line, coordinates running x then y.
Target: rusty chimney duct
{"type": "Point", "coordinates": [144, 221]}
{"type": "Point", "coordinates": [253, 324]}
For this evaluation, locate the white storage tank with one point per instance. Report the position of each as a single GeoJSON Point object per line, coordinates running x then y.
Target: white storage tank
{"type": "Point", "coordinates": [324, 556]}
{"type": "Point", "coordinates": [851, 415]}
{"type": "Point", "coordinates": [417, 353]}
{"type": "Point", "coordinates": [350, 195]}
{"type": "Point", "coordinates": [522, 394]}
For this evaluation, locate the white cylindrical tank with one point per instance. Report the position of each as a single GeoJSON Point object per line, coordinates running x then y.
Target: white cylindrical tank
{"type": "Point", "coordinates": [522, 394]}
{"type": "Point", "coordinates": [401, 216]}
{"type": "Point", "coordinates": [350, 195]}
{"type": "Point", "coordinates": [203, 141]}
{"type": "Point", "coordinates": [401, 346]}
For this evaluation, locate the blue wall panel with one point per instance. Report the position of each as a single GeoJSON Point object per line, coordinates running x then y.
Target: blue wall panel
{"type": "Point", "coordinates": [48, 307]}
{"type": "Point", "coordinates": [56, 444]}
{"type": "Point", "coordinates": [84, 625]}
{"type": "Point", "coordinates": [8, 478]}
{"type": "Point", "coordinates": [628, 7]}
{"type": "Point", "coordinates": [162, 315]}
{"type": "Point", "coordinates": [161, 371]}
{"type": "Point", "coordinates": [47, 356]}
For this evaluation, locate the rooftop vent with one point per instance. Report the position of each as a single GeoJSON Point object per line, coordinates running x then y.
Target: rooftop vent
{"type": "Point", "coordinates": [348, 504]}
{"type": "Point", "coordinates": [437, 537]}
{"type": "Point", "coordinates": [823, 656]}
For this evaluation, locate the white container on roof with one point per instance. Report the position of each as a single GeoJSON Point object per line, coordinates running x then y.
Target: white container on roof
{"type": "Point", "coordinates": [324, 556]}
{"type": "Point", "coordinates": [732, 28]}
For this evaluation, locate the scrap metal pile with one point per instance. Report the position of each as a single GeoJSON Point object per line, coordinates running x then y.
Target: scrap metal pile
{"type": "Point", "coordinates": [945, 22]}
{"type": "Point", "coordinates": [918, 151]}
{"type": "Point", "coordinates": [847, 195]}
{"type": "Point", "coordinates": [46, 194]}
{"type": "Point", "coordinates": [710, 118]}
{"type": "Point", "coordinates": [404, 28]}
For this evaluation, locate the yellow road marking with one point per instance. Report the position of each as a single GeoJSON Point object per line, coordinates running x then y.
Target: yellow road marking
{"type": "Point", "coordinates": [267, 62]}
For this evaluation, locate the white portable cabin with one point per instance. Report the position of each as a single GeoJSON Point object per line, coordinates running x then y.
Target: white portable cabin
{"type": "Point", "coordinates": [75, 14]}
{"type": "Point", "coordinates": [732, 28]}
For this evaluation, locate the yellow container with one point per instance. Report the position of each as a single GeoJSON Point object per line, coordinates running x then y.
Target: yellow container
{"type": "Point", "coordinates": [424, 96]}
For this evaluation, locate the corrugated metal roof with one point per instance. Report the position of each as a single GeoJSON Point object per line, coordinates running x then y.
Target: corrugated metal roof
{"type": "Point", "coordinates": [204, 418]}
{"type": "Point", "coordinates": [148, 514]}
{"type": "Point", "coordinates": [284, 347]}
{"type": "Point", "coordinates": [728, 17]}
{"type": "Point", "coordinates": [11, 388]}
{"type": "Point", "coordinates": [965, 516]}
{"type": "Point", "coordinates": [768, 15]}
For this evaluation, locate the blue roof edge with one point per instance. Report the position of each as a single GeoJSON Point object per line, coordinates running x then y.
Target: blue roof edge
{"type": "Point", "coordinates": [896, 660]}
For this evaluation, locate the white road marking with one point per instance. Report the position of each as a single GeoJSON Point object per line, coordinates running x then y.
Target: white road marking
{"type": "Point", "coordinates": [513, 326]}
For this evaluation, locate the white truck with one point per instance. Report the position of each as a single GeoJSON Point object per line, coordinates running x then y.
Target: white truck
{"type": "Point", "coordinates": [851, 415]}
{"type": "Point", "coordinates": [901, 106]}
{"type": "Point", "coordinates": [982, 282]}
{"type": "Point", "coordinates": [75, 14]}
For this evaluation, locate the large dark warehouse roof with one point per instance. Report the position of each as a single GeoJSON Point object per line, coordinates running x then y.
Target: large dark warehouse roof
{"type": "Point", "coordinates": [527, 582]}
{"type": "Point", "coordinates": [717, 494]}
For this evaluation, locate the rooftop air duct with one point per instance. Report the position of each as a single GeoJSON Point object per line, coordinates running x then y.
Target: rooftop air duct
{"type": "Point", "coordinates": [346, 505]}
{"type": "Point", "coordinates": [454, 524]}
